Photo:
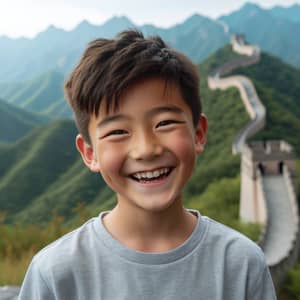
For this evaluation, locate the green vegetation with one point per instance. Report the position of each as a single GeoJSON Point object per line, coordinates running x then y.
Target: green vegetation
{"type": "Point", "coordinates": [43, 172]}
{"type": "Point", "coordinates": [16, 122]}
{"type": "Point", "coordinates": [226, 115]}
{"type": "Point", "coordinates": [48, 153]}
{"type": "Point", "coordinates": [220, 201]}
{"type": "Point", "coordinates": [220, 57]}
{"type": "Point", "coordinates": [18, 244]}
{"type": "Point", "coordinates": [293, 285]}
{"type": "Point", "coordinates": [43, 94]}
{"type": "Point", "coordinates": [278, 87]}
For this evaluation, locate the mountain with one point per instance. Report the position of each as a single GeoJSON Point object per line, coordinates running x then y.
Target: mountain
{"type": "Point", "coordinates": [197, 37]}
{"type": "Point", "coordinates": [53, 49]}
{"type": "Point", "coordinates": [273, 34]}
{"type": "Point", "coordinates": [43, 172]}
{"type": "Point", "coordinates": [16, 122]}
{"type": "Point", "coordinates": [59, 50]}
{"type": "Point", "coordinates": [291, 13]}
{"type": "Point", "coordinates": [52, 54]}
{"type": "Point", "coordinates": [43, 94]}
{"type": "Point", "coordinates": [33, 70]}
{"type": "Point", "coordinates": [278, 87]}
{"type": "Point", "coordinates": [29, 165]}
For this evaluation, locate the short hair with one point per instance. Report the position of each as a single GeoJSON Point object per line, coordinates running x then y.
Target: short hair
{"type": "Point", "coordinates": [109, 66]}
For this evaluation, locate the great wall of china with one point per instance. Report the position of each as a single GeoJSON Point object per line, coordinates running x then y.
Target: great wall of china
{"type": "Point", "coordinates": [268, 171]}
{"type": "Point", "coordinates": [268, 174]}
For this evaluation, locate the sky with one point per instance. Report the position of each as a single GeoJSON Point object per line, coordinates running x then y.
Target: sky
{"type": "Point", "coordinates": [29, 17]}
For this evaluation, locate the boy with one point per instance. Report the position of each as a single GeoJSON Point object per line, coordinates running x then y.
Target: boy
{"type": "Point", "coordinates": [137, 108]}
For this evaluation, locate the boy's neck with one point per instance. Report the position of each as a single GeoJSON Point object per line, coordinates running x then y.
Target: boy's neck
{"type": "Point", "coordinates": [150, 232]}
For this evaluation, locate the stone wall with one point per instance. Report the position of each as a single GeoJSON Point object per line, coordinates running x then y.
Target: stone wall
{"type": "Point", "coordinates": [279, 270]}
{"type": "Point", "coordinates": [260, 158]}
{"type": "Point", "coordinates": [247, 91]}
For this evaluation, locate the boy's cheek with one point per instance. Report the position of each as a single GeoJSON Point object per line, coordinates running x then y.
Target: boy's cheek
{"type": "Point", "coordinates": [182, 145]}
{"type": "Point", "coordinates": [110, 160]}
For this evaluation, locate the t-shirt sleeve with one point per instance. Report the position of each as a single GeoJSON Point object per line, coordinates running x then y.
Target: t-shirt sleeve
{"type": "Point", "coordinates": [34, 285]}
{"type": "Point", "coordinates": [263, 287]}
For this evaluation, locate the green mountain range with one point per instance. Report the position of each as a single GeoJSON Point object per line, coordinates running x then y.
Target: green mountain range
{"type": "Point", "coordinates": [59, 50]}
{"type": "Point", "coordinates": [198, 36]}
{"type": "Point", "coordinates": [33, 70]}
{"type": "Point", "coordinates": [291, 13]}
{"type": "Point", "coordinates": [278, 86]}
{"type": "Point", "coordinates": [16, 122]}
{"type": "Point", "coordinates": [275, 34]}
{"type": "Point", "coordinates": [42, 173]}
{"type": "Point", "coordinates": [43, 94]}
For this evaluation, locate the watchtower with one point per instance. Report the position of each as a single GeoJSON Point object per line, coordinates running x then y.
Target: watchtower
{"type": "Point", "coordinates": [261, 159]}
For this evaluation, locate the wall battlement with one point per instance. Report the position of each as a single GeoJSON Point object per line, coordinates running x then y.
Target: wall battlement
{"type": "Point", "coordinates": [240, 45]}
{"type": "Point", "coordinates": [268, 157]}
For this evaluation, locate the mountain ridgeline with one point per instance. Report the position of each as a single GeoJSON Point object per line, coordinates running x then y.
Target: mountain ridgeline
{"type": "Point", "coordinates": [271, 29]}
{"type": "Point", "coordinates": [198, 37]}
{"type": "Point", "coordinates": [33, 70]}
{"type": "Point", "coordinates": [291, 13]}
{"type": "Point", "coordinates": [55, 49]}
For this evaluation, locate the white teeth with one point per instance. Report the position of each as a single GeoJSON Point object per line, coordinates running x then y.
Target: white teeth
{"type": "Point", "coordinates": [150, 175]}
{"type": "Point", "coordinates": [156, 173]}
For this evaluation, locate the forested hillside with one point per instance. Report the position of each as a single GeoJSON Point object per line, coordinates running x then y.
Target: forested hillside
{"type": "Point", "coordinates": [43, 94]}
{"type": "Point", "coordinates": [16, 122]}
{"type": "Point", "coordinates": [268, 30]}
{"type": "Point", "coordinates": [278, 86]}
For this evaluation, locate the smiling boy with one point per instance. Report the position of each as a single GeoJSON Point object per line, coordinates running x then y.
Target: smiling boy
{"type": "Point", "coordinates": [138, 112]}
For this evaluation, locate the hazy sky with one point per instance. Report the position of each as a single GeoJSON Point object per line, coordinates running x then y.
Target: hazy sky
{"type": "Point", "coordinates": [28, 17]}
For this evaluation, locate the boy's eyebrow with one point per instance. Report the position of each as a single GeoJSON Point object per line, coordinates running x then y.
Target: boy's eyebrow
{"type": "Point", "coordinates": [110, 119]}
{"type": "Point", "coordinates": [162, 109]}
{"type": "Point", "coordinates": [153, 111]}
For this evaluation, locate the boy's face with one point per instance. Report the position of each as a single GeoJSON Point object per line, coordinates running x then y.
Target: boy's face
{"type": "Point", "coordinates": [146, 150]}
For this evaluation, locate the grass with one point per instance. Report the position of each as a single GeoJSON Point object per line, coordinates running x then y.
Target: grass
{"type": "Point", "coordinates": [19, 243]}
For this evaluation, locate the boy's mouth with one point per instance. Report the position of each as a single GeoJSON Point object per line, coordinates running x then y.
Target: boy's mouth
{"type": "Point", "coordinates": [151, 176]}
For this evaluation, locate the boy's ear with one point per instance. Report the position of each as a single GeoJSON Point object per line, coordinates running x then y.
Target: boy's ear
{"type": "Point", "coordinates": [200, 134]}
{"type": "Point", "coordinates": [87, 154]}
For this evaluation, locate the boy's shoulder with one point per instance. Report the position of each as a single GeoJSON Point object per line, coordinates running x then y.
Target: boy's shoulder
{"type": "Point", "coordinates": [237, 249]}
{"type": "Point", "coordinates": [238, 260]}
{"type": "Point", "coordinates": [225, 254]}
{"type": "Point", "coordinates": [215, 236]}
{"type": "Point", "coordinates": [217, 244]}
{"type": "Point", "coordinates": [219, 232]}
{"type": "Point", "coordinates": [65, 249]}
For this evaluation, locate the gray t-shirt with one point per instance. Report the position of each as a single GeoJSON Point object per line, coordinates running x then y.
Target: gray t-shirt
{"type": "Point", "coordinates": [214, 263]}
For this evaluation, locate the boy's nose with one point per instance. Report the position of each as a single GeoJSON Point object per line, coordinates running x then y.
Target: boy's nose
{"type": "Point", "coordinates": [146, 147]}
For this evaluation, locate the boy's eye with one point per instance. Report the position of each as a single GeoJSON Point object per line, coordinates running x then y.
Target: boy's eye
{"type": "Point", "coordinates": [116, 132]}
{"type": "Point", "coordinates": [167, 122]}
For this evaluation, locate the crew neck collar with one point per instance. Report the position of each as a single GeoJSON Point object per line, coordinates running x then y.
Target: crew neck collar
{"type": "Point", "coordinates": [114, 246]}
